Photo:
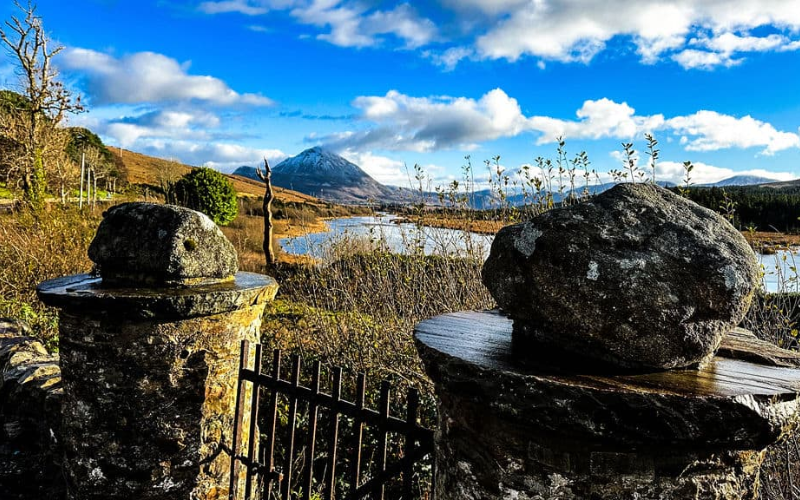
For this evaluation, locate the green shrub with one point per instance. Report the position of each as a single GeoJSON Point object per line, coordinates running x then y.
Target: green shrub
{"type": "Point", "coordinates": [210, 192]}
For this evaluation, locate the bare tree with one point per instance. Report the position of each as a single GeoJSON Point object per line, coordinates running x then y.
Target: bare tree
{"type": "Point", "coordinates": [47, 99]}
{"type": "Point", "coordinates": [266, 176]}
{"type": "Point", "coordinates": [168, 176]}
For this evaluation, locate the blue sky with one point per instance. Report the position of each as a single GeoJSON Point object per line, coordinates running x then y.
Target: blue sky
{"type": "Point", "coordinates": [392, 84]}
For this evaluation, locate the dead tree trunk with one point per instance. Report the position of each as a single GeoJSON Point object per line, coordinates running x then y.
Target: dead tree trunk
{"type": "Point", "coordinates": [266, 176]}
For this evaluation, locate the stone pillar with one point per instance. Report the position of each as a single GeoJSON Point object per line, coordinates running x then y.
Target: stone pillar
{"type": "Point", "coordinates": [149, 356]}
{"type": "Point", "coordinates": [510, 431]}
{"type": "Point", "coordinates": [599, 380]}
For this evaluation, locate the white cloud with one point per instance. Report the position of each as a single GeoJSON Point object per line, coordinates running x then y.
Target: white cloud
{"type": "Point", "coordinates": [597, 119]}
{"type": "Point", "coordinates": [578, 30]}
{"type": "Point", "coordinates": [381, 168]}
{"type": "Point", "coordinates": [148, 77]}
{"type": "Point", "coordinates": [169, 123]}
{"type": "Point", "coordinates": [431, 123]}
{"type": "Point", "coordinates": [710, 131]}
{"type": "Point", "coordinates": [240, 6]}
{"type": "Point", "coordinates": [351, 25]}
{"type": "Point", "coordinates": [222, 156]}
{"type": "Point", "coordinates": [703, 173]}
{"type": "Point", "coordinates": [422, 124]}
{"type": "Point", "coordinates": [450, 58]}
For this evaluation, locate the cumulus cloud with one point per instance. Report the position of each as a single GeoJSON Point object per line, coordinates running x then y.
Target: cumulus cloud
{"type": "Point", "coordinates": [148, 77]}
{"type": "Point", "coordinates": [398, 122]}
{"type": "Point", "coordinates": [381, 168]}
{"type": "Point", "coordinates": [221, 156]}
{"type": "Point", "coordinates": [710, 131]}
{"type": "Point", "coordinates": [431, 123]}
{"type": "Point", "coordinates": [578, 30]}
{"type": "Point", "coordinates": [596, 120]}
{"type": "Point", "coordinates": [350, 23]}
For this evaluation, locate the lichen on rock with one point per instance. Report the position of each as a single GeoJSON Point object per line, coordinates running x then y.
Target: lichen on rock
{"type": "Point", "coordinates": [156, 245]}
{"type": "Point", "coordinates": [638, 278]}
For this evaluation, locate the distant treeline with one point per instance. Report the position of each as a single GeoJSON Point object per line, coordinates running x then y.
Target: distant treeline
{"type": "Point", "coordinates": [765, 209]}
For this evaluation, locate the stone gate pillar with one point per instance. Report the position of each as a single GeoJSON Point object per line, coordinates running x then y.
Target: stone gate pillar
{"type": "Point", "coordinates": [149, 356]}
{"type": "Point", "coordinates": [614, 370]}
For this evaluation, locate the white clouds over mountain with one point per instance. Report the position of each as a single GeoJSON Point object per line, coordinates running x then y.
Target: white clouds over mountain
{"type": "Point", "coordinates": [405, 123]}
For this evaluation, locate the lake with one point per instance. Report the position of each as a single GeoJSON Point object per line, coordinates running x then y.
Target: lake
{"type": "Point", "coordinates": [383, 231]}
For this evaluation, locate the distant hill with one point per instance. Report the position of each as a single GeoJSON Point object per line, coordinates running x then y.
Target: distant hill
{"type": "Point", "coordinates": [741, 180]}
{"type": "Point", "coordinates": [145, 170]}
{"type": "Point", "coordinates": [326, 175]}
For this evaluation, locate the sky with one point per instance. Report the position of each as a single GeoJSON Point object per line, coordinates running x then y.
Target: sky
{"type": "Point", "coordinates": [391, 84]}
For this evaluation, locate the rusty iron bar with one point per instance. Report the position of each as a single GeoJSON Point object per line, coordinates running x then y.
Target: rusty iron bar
{"type": "Point", "coordinates": [358, 432]}
{"type": "Point", "coordinates": [286, 484]}
{"type": "Point", "coordinates": [336, 393]}
{"type": "Point", "coordinates": [312, 434]}
{"type": "Point", "coordinates": [269, 450]}
{"type": "Point", "coordinates": [383, 409]}
{"type": "Point", "coordinates": [412, 408]}
{"type": "Point", "coordinates": [237, 421]}
{"type": "Point", "coordinates": [418, 440]}
{"type": "Point", "coordinates": [253, 438]}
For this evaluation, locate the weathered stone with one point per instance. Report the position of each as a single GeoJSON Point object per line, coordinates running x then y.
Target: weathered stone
{"type": "Point", "coordinates": [30, 407]}
{"type": "Point", "coordinates": [638, 278]}
{"type": "Point", "coordinates": [543, 430]}
{"type": "Point", "coordinates": [147, 243]}
{"type": "Point", "coordinates": [150, 378]}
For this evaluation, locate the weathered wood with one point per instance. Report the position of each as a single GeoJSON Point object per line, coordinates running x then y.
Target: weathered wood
{"type": "Point", "coordinates": [312, 434]}
{"type": "Point", "coordinates": [358, 432]}
{"type": "Point", "coordinates": [266, 176]}
{"type": "Point", "coordinates": [269, 451]}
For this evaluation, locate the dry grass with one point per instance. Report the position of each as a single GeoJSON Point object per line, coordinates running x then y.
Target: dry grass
{"type": "Point", "coordinates": [37, 248]}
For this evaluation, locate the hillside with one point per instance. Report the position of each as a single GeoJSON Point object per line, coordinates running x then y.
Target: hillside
{"type": "Point", "coordinates": [141, 169]}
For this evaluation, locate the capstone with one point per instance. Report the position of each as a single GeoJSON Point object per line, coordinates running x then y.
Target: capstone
{"type": "Point", "coordinates": [638, 278]}
{"type": "Point", "coordinates": [153, 244]}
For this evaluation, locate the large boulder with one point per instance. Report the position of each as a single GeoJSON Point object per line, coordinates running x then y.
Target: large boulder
{"type": "Point", "coordinates": [151, 244]}
{"type": "Point", "coordinates": [639, 278]}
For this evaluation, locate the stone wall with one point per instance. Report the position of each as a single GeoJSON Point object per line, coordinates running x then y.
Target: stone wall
{"type": "Point", "coordinates": [30, 415]}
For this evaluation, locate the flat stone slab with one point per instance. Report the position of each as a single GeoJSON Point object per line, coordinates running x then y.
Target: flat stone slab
{"type": "Point", "coordinates": [89, 294]}
{"type": "Point", "coordinates": [728, 404]}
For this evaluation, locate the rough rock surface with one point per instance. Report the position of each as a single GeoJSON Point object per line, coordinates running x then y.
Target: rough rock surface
{"type": "Point", "coordinates": [30, 416]}
{"type": "Point", "coordinates": [540, 432]}
{"type": "Point", "coordinates": [147, 243]}
{"type": "Point", "coordinates": [639, 278]}
{"type": "Point", "coordinates": [150, 378]}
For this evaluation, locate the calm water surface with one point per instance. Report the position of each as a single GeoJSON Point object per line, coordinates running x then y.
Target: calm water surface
{"type": "Point", "coordinates": [779, 269]}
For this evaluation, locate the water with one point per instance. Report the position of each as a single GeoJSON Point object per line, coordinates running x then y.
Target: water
{"type": "Point", "coordinates": [381, 231]}
{"type": "Point", "coordinates": [780, 271]}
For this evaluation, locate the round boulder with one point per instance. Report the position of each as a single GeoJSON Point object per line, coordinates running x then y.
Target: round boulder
{"type": "Point", "coordinates": [152, 244]}
{"type": "Point", "coordinates": [639, 278]}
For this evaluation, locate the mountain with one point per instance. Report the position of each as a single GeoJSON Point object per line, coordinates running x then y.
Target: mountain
{"type": "Point", "coordinates": [324, 174]}
{"type": "Point", "coordinates": [741, 180]}
{"type": "Point", "coordinates": [245, 171]}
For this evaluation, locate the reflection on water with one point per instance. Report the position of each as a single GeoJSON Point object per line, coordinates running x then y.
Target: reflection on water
{"type": "Point", "coordinates": [382, 232]}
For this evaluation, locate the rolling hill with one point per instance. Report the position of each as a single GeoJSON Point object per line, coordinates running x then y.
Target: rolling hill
{"type": "Point", "coordinates": [145, 170]}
